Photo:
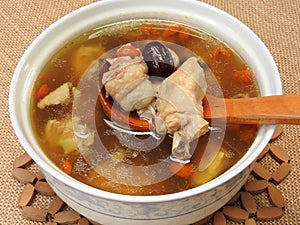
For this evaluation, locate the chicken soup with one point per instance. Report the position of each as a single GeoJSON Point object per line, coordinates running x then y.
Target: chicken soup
{"type": "Point", "coordinates": [120, 107]}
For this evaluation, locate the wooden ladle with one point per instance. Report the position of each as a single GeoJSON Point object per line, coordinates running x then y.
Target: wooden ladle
{"type": "Point", "coordinates": [279, 109]}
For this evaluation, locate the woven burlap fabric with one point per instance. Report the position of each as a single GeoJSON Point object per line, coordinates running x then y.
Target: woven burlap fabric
{"type": "Point", "coordinates": [277, 23]}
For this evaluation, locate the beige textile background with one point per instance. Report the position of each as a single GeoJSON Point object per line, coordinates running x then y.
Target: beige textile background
{"type": "Point", "coordinates": [276, 22]}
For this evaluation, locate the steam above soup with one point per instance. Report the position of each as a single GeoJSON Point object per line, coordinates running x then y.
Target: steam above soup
{"type": "Point", "coordinates": [159, 70]}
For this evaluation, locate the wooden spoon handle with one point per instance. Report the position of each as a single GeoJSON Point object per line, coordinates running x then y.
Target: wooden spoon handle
{"type": "Point", "coordinates": [279, 109]}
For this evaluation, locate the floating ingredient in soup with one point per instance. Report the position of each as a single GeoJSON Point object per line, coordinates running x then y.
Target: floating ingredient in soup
{"type": "Point", "coordinates": [82, 58]}
{"type": "Point", "coordinates": [62, 134]}
{"type": "Point", "coordinates": [213, 170]}
{"type": "Point", "coordinates": [158, 59]}
{"type": "Point", "coordinates": [107, 163]}
{"type": "Point", "coordinates": [60, 96]}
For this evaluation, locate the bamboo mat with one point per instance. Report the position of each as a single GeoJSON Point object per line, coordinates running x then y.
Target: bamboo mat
{"type": "Point", "coordinates": [277, 23]}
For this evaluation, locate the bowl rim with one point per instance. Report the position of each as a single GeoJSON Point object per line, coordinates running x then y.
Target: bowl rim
{"type": "Point", "coordinates": [246, 160]}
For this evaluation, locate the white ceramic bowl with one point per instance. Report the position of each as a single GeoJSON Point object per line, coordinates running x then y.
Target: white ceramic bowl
{"type": "Point", "coordinates": [108, 208]}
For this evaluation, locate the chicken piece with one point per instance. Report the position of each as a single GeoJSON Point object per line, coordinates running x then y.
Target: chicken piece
{"type": "Point", "coordinates": [127, 82]}
{"type": "Point", "coordinates": [61, 133]}
{"type": "Point", "coordinates": [217, 166]}
{"type": "Point", "coordinates": [83, 57]}
{"type": "Point", "coordinates": [179, 107]}
{"type": "Point", "coordinates": [61, 95]}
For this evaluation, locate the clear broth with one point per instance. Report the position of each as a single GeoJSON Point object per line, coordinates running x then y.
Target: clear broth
{"type": "Point", "coordinates": [124, 170]}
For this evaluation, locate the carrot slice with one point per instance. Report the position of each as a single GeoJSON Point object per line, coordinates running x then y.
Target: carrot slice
{"type": "Point", "coordinates": [182, 170]}
{"type": "Point", "coordinates": [42, 91]}
{"type": "Point", "coordinates": [242, 76]}
{"type": "Point", "coordinates": [150, 30]}
{"type": "Point", "coordinates": [244, 67]}
{"type": "Point", "coordinates": [67, 167]}
{"type": "Point", "coordinates": [171, 30]}
{"type": "Point", "coordinates": [184, 34]}
{"type": "Point", "coordinates": [226, 53]}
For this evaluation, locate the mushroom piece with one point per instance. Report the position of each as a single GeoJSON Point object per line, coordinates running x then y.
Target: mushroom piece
{"type": "Point", "coordinates": [179, 107]}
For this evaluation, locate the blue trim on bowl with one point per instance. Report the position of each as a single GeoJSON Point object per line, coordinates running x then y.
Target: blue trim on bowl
{"type": "Point", "coordinates": [141, 219]}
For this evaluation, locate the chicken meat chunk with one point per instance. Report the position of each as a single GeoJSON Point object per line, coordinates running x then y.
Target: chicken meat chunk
{"type": "Point", "coordinates": [128, 84]}
{"type": "Point", "coordinates": [179, 107]}
{"type": "Point", "coordinates": [68, 134]}
{"type": "Point", "coordinates": [60, 96]}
